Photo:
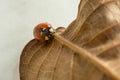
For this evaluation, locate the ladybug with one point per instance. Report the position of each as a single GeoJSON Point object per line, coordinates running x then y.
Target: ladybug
{"type": "Point", "coordinates": [44, 32]}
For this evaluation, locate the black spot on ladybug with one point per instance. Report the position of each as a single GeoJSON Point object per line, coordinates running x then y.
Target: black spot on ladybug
{"type": "Point", "coordinates": [41, 30]}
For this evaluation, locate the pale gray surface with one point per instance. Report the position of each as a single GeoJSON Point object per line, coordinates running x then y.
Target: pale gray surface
{"type": "Point", "coordinates": [17, 20]}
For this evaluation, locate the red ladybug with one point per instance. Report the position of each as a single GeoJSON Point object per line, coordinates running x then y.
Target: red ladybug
{"type": "Point", "coordinates": [44, 32]}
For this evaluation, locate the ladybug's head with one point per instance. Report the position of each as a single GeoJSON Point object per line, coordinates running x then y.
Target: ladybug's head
{"type": "Point", "coordinates": [43, 32]}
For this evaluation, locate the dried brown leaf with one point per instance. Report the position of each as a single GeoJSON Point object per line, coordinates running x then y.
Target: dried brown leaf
{"type": "Point", "coordinates": [89, 49]}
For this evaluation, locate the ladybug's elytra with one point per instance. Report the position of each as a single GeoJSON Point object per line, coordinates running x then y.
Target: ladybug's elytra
{"type": "Point", "coordinates": [44, 32]}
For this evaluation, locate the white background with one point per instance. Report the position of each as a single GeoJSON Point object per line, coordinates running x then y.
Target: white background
{"type": "Point", "coordinates": [17, 20]}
